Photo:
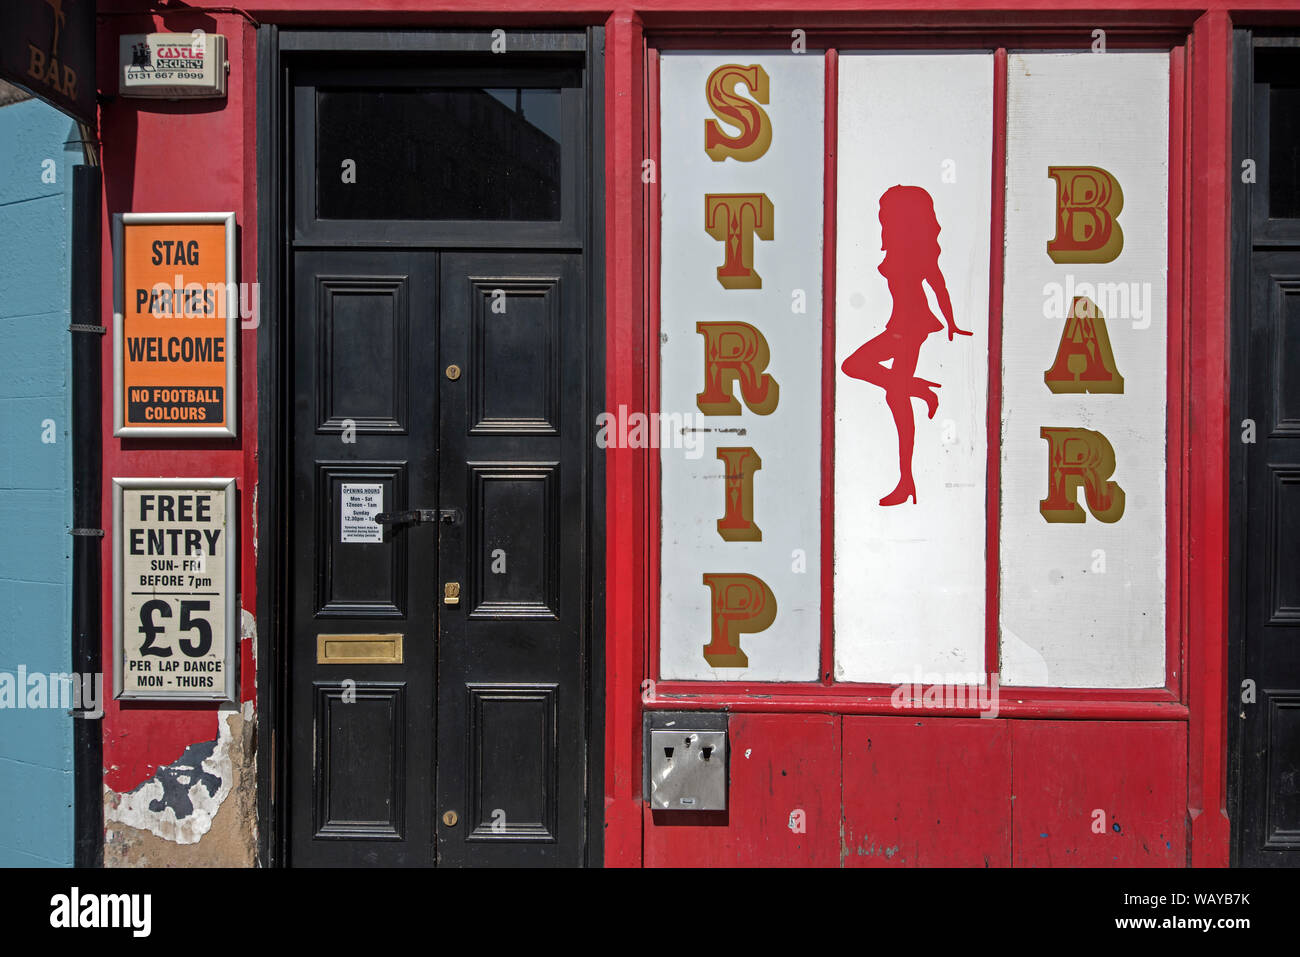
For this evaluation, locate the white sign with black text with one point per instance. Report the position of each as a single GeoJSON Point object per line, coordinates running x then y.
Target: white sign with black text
{"type": "Point", "coordinates": [176, 620]}
{"type": "Point", "coordinates": [360, 504]}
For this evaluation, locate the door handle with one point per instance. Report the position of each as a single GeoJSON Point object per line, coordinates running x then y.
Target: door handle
{"type": "Point", "coordinates": [415, 516]}
{"type": "Point", "coordinates": [420, 516]}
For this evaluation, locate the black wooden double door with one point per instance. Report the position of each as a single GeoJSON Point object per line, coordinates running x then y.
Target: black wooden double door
{"type": "Point", "coordinates": [1264, 695]}
{"type": "Point", "coordinates": [438, 558]}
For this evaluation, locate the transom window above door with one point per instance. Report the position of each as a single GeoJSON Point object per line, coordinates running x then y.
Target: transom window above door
{"type": "Point", "coordinates": [441, 154]}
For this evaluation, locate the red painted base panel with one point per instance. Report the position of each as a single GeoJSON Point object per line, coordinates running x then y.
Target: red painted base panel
{"type": "Point", "coordinates": [825, 790]}
{"type": "Point", "coordinates": [782, 766]}
{"type": "Point", "coordinates": [926, 792]}
{"type": "Point", "coordinates": [1096, 794]}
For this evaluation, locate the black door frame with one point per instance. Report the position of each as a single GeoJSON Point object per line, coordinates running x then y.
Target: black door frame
{"type": "Point", "coordinates": [276, 48]}
{"type": "Point", "coordinates": [1244, 243]}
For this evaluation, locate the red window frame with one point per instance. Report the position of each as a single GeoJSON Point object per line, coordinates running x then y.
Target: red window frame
{"type": "Point", "coordinates": [1166, 703]}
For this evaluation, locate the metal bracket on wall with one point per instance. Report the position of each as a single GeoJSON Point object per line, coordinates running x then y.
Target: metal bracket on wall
{"type": "Point", "coordinates": [86, 327]}
{"type": "Point", "coordinates": [87, 532]}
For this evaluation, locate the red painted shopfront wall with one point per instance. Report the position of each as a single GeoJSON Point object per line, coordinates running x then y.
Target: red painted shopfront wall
{"type": "Point", "coordinates": [873, 788]}
{"type": "Point", "coordinates": [161, 156]}
{"type": "Point", "coordinates": [833, 776]}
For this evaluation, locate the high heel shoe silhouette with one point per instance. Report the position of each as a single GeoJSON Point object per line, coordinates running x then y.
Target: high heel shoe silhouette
{"type": "Point", "coordinates": [924, 389]}
{"type": "Point", "coordinates": [906, 489]}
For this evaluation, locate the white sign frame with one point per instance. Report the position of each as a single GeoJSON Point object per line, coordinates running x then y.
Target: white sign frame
{"type": "Point", "coordinates": [910, 580]}
{"type": "Point", "coordinates": [230, 692]}
{"type": "Point", "coordinates": [231, 429]}
{"type": "Point", "coordinates": [1064, 622]}
{"type": "Point", "coordinates": [791, 174]}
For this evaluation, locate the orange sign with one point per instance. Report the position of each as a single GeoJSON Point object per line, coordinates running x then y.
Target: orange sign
{"type": "Point", "coordinates": [175, 340]}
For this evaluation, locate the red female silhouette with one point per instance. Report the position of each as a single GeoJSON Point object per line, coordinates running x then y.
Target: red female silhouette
{"type": "Point", "coordinates": [909, 233]}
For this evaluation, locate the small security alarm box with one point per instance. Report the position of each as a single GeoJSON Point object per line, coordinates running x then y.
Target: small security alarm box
{"type": "Point", "coordinates": [173, 65]}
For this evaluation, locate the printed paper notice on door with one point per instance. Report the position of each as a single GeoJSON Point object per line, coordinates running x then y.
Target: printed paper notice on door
{"type": "Point", "coordinates": [360, 505]}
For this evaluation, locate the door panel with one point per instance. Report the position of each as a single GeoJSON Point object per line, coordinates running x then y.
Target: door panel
{"type": "Point", "coordinates": [362, 708]}
{"type": "Point", "coordinates": [1269, 826]}
{"type": "Point", "coordinates": [511, 657]}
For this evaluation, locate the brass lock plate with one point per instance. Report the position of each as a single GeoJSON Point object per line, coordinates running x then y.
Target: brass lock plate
{"type": "Point", "coordinates": [450, 818]}
{"type": "Point", "coordinates": [451, 593]}
{"type": "Point", "coordinates": [453, 372]}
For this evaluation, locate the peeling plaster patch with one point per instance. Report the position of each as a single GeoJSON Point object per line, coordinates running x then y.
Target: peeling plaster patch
{"type": "Point", "coordinates": [168, 808]}
{"type": "Point", "coordinates": [177, 780]}
{"type": "Point", "coordinates": [248, 632]}
{"type": "Point", "coordinates": [230, 841]}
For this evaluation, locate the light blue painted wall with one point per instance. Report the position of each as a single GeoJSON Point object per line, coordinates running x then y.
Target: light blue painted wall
{"type": "Point", "coordinates": [36, 782]}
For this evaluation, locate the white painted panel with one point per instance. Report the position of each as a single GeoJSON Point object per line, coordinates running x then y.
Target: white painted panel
{"type": "Point", "coordinates": [910, 579]}
{"type": "Point", "coordinates": [1083, 604]}
{"type": "Point", "coordinates": [787, 489]}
